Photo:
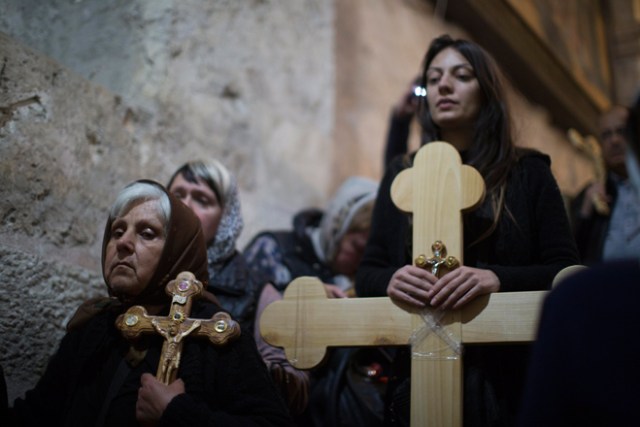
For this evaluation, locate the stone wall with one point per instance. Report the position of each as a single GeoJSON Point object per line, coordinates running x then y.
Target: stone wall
{"type": "Point", "coordinates": [63, 150]}
{"type": "Point", "coordinates": [249, 82]}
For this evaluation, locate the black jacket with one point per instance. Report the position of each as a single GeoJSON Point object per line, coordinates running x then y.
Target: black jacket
{"type": "Point", "coordinates": [292, 248]}
{"type": "Point", "coordinates": [226, 385]}
{"type": "Point", "coordinates": [525, 255]}
{"type": "Point", "coordinates": [238, 290]}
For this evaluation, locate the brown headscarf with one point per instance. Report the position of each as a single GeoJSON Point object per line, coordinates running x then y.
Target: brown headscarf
{"type": "Point", "coordinates": [184, 250]}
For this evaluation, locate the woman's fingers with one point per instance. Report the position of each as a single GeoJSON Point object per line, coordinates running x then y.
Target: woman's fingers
{"type": "Point", "coordinates": [461, 286]}
{"type": "Point", "coordinates": [410, 284]}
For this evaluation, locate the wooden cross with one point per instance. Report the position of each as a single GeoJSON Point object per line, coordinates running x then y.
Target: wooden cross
{"type": "Point", "coordinates": [174, 328]}
{"type": "Point", "coordinates": [589, 145]}
{"type": "Point", "coordinates": [305, 322]}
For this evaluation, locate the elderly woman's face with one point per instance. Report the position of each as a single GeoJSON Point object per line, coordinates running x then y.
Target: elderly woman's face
{"type": "Point", "coordinates": [203, 202]}
{"type": "Point", "coordinates": [134, 248]}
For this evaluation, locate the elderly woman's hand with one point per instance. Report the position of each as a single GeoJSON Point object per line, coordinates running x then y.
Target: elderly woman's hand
{"type": "Point", "coordinates": [154, 397]}
{"type": "Point", "coordinates": [410, 286]}
{"type": "Point", "coordinates": [461, 286]}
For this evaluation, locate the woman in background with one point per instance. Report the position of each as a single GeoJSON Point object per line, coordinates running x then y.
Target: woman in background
{"type": "Point", "coordinates": [211, 192]}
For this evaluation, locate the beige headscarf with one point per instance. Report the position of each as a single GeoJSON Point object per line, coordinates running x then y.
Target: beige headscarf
{"type": "Point", "coordinates": [354, 195]}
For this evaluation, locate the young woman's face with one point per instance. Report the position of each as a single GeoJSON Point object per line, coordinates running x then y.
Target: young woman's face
{"type": "Point", "coordinates": [453, 91]}
{"type": "Point", "coordinates": [134, 248]}
{"type": "Point", "coordinates": [202, 200]}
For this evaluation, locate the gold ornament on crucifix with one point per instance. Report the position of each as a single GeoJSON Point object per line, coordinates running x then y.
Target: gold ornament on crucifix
{"type": "Point", "coordinates": [589, 145]}
{"type": "Point", "coordinates": [219, 330]}
{"type": "Point", "coordinates": [439, 263]}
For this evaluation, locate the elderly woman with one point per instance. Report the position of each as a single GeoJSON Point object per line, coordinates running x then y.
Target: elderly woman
{"type": "Point", "coordinates": [211, 192]}
{"type": "Point", "coordinates": [97, 378]}
{"type": "Point", "coordinates": [517, 240]}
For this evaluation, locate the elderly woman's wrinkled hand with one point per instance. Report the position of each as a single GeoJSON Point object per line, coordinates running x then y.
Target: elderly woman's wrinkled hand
{"type": "Point", "coordinates": [154, 397]}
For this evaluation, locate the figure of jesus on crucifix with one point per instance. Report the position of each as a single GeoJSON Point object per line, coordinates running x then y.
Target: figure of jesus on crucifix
{"type": "Point", "coordinates": [518, 239]}
{"type": "Point", "coordinates": [173, 336]}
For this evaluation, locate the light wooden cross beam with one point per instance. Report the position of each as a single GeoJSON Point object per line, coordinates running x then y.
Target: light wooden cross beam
{"type": "Point", "coordinates": [437, 189]}
{"type": "Point", "coordinates": [174, 328]}
{"type": "Point", "coordinates": [590, 146]}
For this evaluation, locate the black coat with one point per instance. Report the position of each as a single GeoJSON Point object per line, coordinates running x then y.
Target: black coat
{"type": "Point", "coordinates": [584, 368]}
{"type": "Point", "coordinates": [238, 290]}
{"type": "Point", "coordinates": [292, 249]}
{"type": "Point", "coordinates": [525, 255]}
{"type": "Point", "coordinates": [226, 385]}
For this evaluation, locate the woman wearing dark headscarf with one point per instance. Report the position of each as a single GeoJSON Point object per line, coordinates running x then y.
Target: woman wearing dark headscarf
{"type": "Point", "coordinates": [97, 378]}
{"type": "Point", "coordinates": [517, 240]}
{"type": "Point", "coordinates": [210, 190]}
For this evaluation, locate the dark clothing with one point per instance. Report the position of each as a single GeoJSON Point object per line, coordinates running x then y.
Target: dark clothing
{"type": "Point", "coordinates": [94, 377]}
{"type": "Point", "coordinates": [226, 385]}
{"type": "Point", "coordinates": [530, 245]}
{"type": "Point", "coordinates": [584, 368]}
{"type": "Point", "coordinates": [397, 137]}
{"type": "Point", "coordinates": [525, 254]}
{"type": "Point", "coordinates": [270, 251]}
{"type": "Point", "coordinates": [340, 395]}
{"type": "Point", "coordinates": [590, 232]}
{"type": "Point", "coordinates": [238, 290]}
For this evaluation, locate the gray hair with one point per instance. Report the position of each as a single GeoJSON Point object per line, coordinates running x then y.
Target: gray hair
{"type": "Point", "coordinates": [141, 191]}
{"type": "Point", "coordinates": [214, 173]}
{"type": "Point", "coordinates": [224, 185]}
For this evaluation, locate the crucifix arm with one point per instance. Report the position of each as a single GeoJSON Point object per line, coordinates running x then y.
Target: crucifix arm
{"type": "Point", "coordinates": [135, 323]}
{"type": "Point", "coordinates": [220, 329]}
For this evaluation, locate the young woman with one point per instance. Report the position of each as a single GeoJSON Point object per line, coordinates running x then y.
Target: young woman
{"type": "Point", "coordinates": [517, 240]}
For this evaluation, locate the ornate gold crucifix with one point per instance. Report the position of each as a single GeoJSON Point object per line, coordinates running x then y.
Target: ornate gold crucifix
{"type": "Point", "coordinates": [175, 327]}
{"type": "Point", "coordinates": [439, 263]}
